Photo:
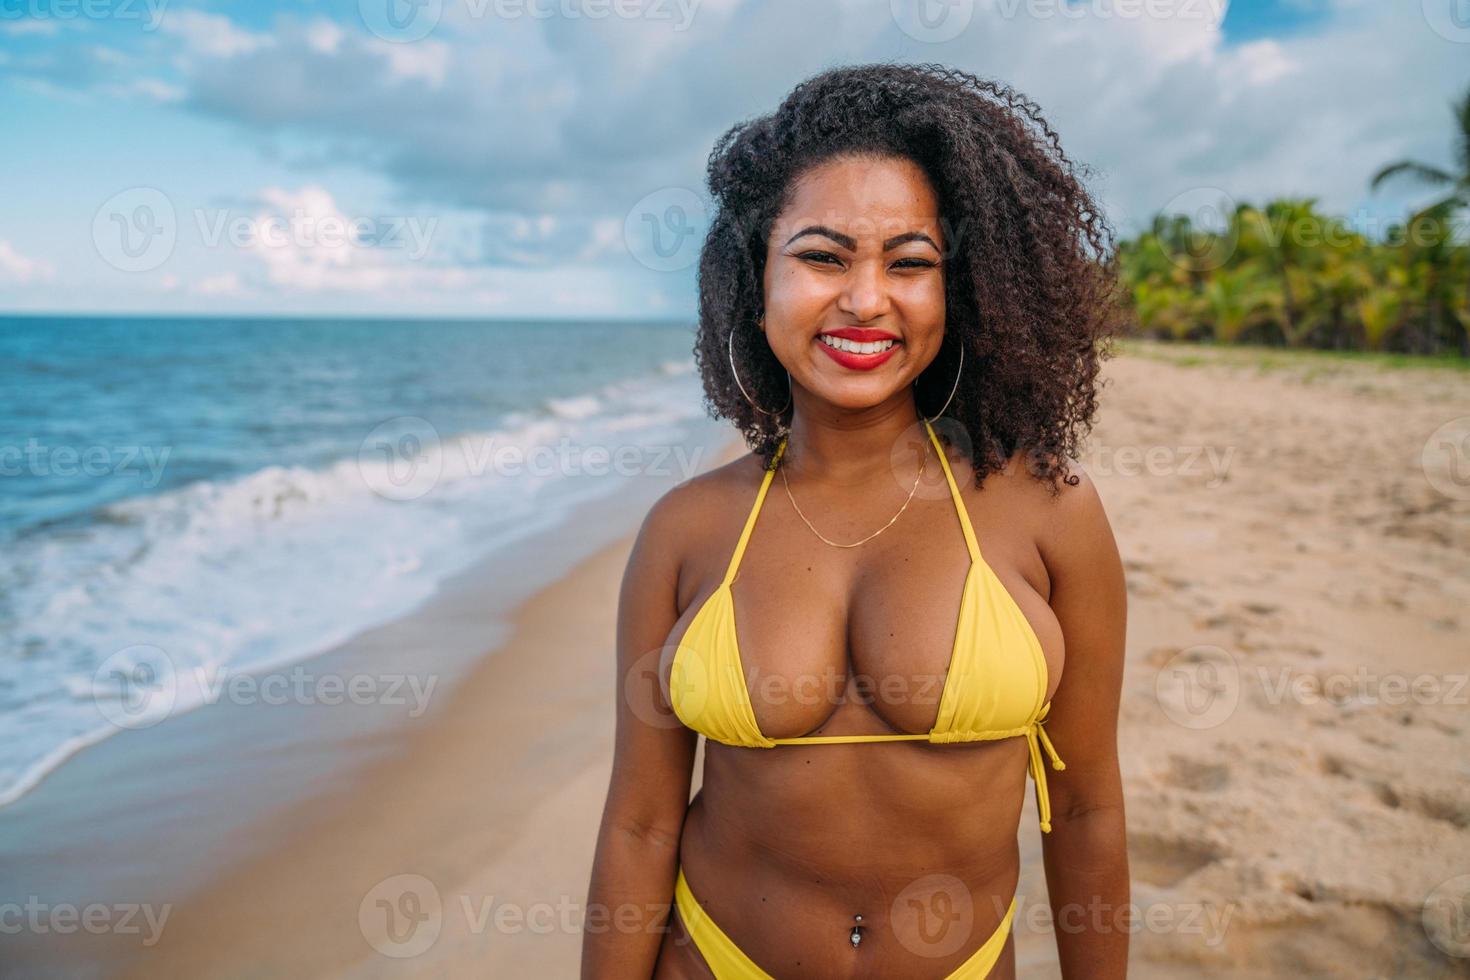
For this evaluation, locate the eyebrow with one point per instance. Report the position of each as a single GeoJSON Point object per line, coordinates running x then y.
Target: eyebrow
{"type": "Point", "coordinates": [850, 243]}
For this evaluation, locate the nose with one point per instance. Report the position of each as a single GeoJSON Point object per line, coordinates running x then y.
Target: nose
{"type": "Point", "coordinates": [864, 294]}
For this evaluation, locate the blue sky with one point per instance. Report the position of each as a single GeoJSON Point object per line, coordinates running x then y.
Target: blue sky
{"type": "Point", "coordinates": [1251, 20]}
{"type": "Point", "coordinates": [535, 158]}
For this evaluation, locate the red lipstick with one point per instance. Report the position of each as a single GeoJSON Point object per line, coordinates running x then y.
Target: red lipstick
{"type": "Point", "coordinates": [861, 335]}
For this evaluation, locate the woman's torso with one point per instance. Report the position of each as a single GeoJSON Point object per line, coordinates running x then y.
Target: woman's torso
{"type": "Point", "coordinates": [784, 845]}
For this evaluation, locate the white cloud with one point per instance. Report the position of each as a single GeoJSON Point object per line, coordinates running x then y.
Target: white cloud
{"type": "Point", "coordinates": [324, 36]}
{"type": "Point", "coordinates": [15, 28]}
{"type": "Point", "coordinates": [426, 59]}
{"type": "Point", "coordinates": [104, 55]}
{"type": "Point", "coordinates": [305, 242]}
{"type": "Point", "coordinates": [1264, 62]}
{"type": "Point", "coordinates": [211, 34]}
{"type": "Point", "coordinates": [606, 239]}
{"type": "Point", "coordinates": [152, 88]}
{"type": "Point", "coordinates": [17, 268]}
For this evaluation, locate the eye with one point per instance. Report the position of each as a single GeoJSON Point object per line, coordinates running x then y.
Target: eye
{"type": "Point", "coordinates": [819, 257]}
{"type": "Point", "coordinates": [913, 263]}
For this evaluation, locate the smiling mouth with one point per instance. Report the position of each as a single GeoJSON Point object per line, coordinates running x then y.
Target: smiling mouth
{"type": "Point", "coordinates": [858, 353]}
{"type": "Point", "coordinates": [854, 347]}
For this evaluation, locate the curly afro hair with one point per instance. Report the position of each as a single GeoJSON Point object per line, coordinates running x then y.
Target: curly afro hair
{"type": "Point", "coordinates": [1030, 275]}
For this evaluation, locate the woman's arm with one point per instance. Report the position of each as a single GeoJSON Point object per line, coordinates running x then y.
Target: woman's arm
{"type": "Point", "coordinates": [1086, 853]}
{"type": "Point", "coordinates": [633, 872]}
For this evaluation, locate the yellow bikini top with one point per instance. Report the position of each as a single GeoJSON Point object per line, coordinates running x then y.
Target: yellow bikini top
{"type": "Point", "coordinates": [993, 688]}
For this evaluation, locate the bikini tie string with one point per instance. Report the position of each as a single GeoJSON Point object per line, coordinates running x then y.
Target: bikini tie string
{"type": "Point", "coordinates": [1036, 741]}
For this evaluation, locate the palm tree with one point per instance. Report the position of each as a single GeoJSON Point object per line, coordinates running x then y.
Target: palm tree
{"type": "Point", "coordinates": [1458, 195]}
{"type": "Point", "coordinates": [1381, 311]}
{"type": "Point", "coordinates": [1242, 303]}
{"type": "Point", "coordinates": [1343, 276]}
{"type": "Point", "coordinates": [1167, 310]}
{"type": "Point", "coordinates": [1285, 238]}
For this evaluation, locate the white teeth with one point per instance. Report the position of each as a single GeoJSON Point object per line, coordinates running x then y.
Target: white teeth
{"type": "Point", "coordinates": [853, 347]}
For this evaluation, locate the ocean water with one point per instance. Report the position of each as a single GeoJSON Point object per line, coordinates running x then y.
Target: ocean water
{"type": "Point", "coordinates": [186, 498]}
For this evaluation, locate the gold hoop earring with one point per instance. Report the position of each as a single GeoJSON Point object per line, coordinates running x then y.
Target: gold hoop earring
{"type": "Point", "coordinates": [731, 346]}
{"type": "Point", "coordinates": [953, 388]}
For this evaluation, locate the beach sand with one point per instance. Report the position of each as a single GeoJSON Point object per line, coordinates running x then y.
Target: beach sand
{"type": "Point", "coordinates": [1294, 726]}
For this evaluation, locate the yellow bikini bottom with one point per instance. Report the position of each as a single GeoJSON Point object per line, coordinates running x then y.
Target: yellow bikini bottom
{"type": "Point", "coordinates": [727, 962]}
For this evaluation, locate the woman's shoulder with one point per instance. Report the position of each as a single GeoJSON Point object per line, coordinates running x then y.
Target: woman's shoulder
{"type": "Point", "coordinates": [1053, 502]}
{"type": "Point", "coordinates": [681, 519]}
{"type": "Point", "coordinates": [1062, 504]}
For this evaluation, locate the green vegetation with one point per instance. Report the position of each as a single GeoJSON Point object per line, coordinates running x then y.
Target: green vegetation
{"type": "Point", "coordinates": [1286, 276]}
{"type": "Point", "coordinates": [1268, 358]}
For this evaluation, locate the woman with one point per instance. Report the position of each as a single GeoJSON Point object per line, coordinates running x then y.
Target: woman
{"type": "Point", "coordinates": [903, 297]}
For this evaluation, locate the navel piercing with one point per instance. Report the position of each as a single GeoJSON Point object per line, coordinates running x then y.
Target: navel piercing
{"type": "Point", "coordinates": [856, 936]}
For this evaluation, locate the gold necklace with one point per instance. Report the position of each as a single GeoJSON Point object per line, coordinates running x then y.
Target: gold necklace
{"type": "Point", "coordinates": [917, 479]}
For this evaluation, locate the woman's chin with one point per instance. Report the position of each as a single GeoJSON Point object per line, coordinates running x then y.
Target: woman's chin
{"type": "Point", "coordinates": [855, 394]}
{"type": "Point", "coordinates": [860, 388]}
